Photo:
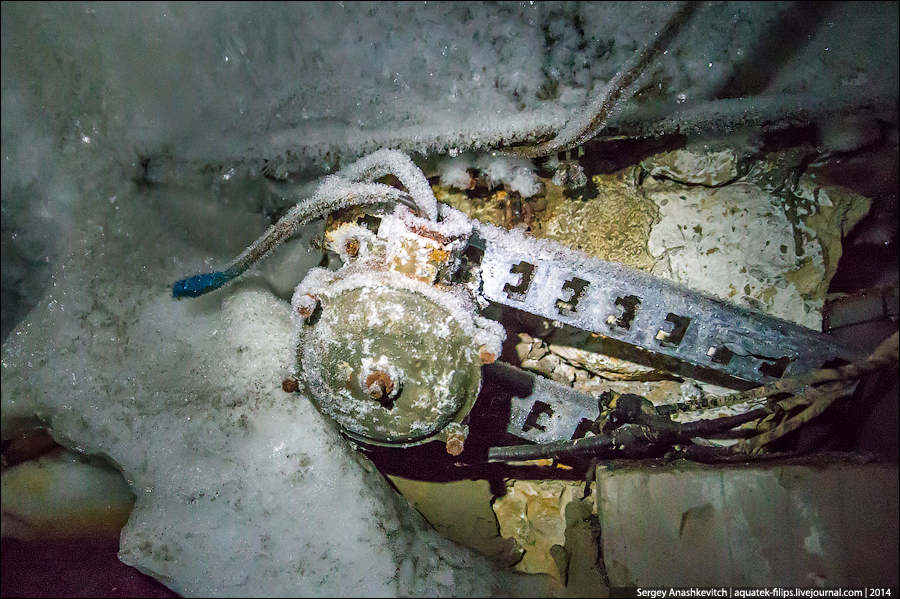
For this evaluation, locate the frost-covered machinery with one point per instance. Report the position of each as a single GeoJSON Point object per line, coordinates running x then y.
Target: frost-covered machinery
{"type": "Point", "coordinates": [391, 345]}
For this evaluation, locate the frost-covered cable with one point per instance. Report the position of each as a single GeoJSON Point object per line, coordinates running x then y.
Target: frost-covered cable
{"type": "Point", "coordinates": [394, 162]}
{"type": "Point", "coordinates": [337, 191]}
{"type": "Point", "coordinates": [755, 112]}
{"type": "Point", "coordinates": [587, 124]}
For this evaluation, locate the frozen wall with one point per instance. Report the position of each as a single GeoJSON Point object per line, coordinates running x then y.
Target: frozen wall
{"type": "Point", "coordinates": [217, 83]}
{"type": "Point", "coordinates": [96, 92]}
{"type": "Point", "coordinates": [100, 99]}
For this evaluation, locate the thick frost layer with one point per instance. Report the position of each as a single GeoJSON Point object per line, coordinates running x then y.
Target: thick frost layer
{"type": "Point", "coordinates": [517, 174]}
{"type": "Point", "coordinates": [242, 489]}
{"type": "Point", "coordinates": [310, 84]}
{"type": "Point", "coordinates": [96, 94]}
{"type": "Point", "coordinates": [191, 93]}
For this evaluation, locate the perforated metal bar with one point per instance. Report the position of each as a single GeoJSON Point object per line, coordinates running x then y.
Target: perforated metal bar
{"type": "Point", "coordinates": [561, 284]}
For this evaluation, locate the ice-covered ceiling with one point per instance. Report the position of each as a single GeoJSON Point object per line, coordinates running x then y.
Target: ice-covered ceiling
{"type": "Point", "coordinates": [219, 83]}
{"type": "Point", "coordinates": [164, 91]}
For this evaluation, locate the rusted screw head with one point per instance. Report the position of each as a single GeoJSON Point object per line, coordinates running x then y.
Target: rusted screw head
{"type": "Point", "coordinates": [379, 385]}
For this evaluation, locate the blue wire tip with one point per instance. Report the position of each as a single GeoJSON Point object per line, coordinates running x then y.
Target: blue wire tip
{"type": "Point", "coordinates": [198, 285]}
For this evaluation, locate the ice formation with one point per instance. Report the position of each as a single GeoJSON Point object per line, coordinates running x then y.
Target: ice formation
{"type": "Point", "coordinates": [106, 104]}
{"type": "Point", "coordinates": [516, 174]}
{"type": "Point", "coordinates": [235, 479]}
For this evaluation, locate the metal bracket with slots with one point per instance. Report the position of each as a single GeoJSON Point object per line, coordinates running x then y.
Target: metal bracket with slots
{"type": "Point", "coordinates": [612, 300]}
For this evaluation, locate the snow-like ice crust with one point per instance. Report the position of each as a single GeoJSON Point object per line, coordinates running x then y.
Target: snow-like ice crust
{"type": "Point", "coordinates": [183, 88]}
{"type": "Point", "coordinates": [185, 396]}
{"type": "Point", "coordinates": [242, 489]}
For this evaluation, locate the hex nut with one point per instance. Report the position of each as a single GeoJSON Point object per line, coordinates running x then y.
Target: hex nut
{"type": "Point", "coordinates": [456, 438]}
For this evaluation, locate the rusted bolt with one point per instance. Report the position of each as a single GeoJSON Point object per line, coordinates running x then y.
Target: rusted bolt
{"type": "Point", "coordinates": [456, 438]}
{"type": "Point", "coordinates": [487, 356]}
{"type": "Point", "coordinates": [379, 385]}
{"type": "Point", "coordinates": [455, 445]}
{"type": "Point", "coordinates": [307, 304]}
{"type": "Point", "coordinates": [290, 385]}
{"type": "Point", "coordinates": [352, 247]}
